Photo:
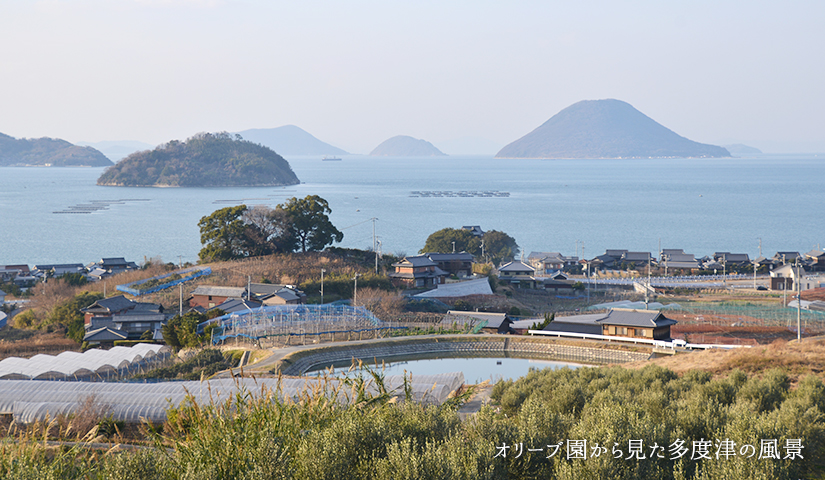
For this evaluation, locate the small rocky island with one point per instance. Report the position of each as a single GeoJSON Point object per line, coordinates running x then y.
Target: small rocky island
{"type": "Point", "coordinates": [404, 146]}
{"type": "Point", "coordinates": [204, 160]}
{"type": "Point", "coordinates": [48, 152]}
{"type": "Point", "coordinates": [605, 129]}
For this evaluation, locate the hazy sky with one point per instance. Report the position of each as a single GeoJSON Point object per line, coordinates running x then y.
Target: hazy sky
{"type": "Point", "coordinates": [354, 73]}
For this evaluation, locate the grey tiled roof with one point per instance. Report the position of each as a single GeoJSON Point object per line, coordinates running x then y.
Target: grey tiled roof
{"type": "Point", "coordinates": [105, 334]}
{"type": "Point", "coordinates": [415, 261]}
{"type": "Point", "coordinates": [636, 256]}
{"type": "Point", "coordinates": [619, 316]}
{"type": "Point", "coordinates": [516, 266]}
{"type": "Point", "coordinates": [637, 318]}
{"type": "Point", "coordinates": [449, 257]}
{"type": "Point", "coordinates": [111, 304]}
{"type": "Point", "coordinates": [236, 305]}
{"type": "Point", "coordinates": [217, 291]}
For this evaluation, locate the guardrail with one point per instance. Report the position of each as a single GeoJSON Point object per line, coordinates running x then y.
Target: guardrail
{"type": "Point", "coordinates": [655, 343]}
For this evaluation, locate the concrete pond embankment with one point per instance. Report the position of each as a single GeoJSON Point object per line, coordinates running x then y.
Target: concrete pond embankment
{"type": "Point", "coordinates": [298, 360]}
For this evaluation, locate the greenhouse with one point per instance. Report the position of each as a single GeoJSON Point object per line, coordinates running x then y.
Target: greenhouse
{"type": "Point", "coordinates": [33, 400]}
{"type": "Point", "coordinates": [90, 365]}
{"type": "Point", "coordinates": [289, 320]}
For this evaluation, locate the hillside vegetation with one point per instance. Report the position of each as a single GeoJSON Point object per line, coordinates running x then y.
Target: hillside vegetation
{"type": "Point", "coordinates": [48, 151]}
{"type": "Point", "coordinates": [204, 160]}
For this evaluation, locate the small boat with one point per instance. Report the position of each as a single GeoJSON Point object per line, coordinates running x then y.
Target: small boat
{"type": "Point", "coordinates": [331, 159]}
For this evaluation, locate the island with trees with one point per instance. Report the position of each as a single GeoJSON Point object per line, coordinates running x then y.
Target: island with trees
{"type": "Point", "coordinates": [48, 152]}
{"type": "Point", "coordinates": [204, 160]}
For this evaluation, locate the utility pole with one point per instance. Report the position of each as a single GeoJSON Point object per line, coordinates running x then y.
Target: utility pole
{"type": "Point", "coordinates": [798, 304]}
{"type": "Point", "coordinates": [760, 246]}
{"type": "Point", "coordinates": [180, 285]}
{"type": "Point", "coordinates": [724, 272]}
{"type": "Point", "coordinates": [322, 286]}
{"type": "Point", "coordinates": [374, 244]}
{"type": "Point", "coordinates": [754, 274]}
{"type": "Point", "coordinates": [355, 291]}
{"type": "Point", "coordinates": [647, 289]}
{"type": "Point", "coordinates": [453, 247]}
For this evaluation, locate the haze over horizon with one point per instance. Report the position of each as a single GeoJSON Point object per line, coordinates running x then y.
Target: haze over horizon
{"type": "Point", "coordinates": [459, 74]}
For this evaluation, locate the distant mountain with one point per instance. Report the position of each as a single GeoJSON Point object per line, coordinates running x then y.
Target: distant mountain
{"type": "Point", "coordinates": [290, 140]}
{"type": "Point", "coordinates": [605, 129]}
{"type": "Point", "coordinates": [205, 160]}
{"type": "Point", "coordinates": [48, 152]}
{"type": "Point", "coordinates": [739, 149]}
{"type": "Point", "coordinates": [404, 146]}
{"type": "Point", "coordinates": [118, 149]}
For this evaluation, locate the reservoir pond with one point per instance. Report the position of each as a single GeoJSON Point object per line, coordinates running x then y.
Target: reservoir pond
{"type": "Point", "coordinates": [475, 369]}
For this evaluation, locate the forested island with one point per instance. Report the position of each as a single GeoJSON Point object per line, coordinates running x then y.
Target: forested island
{"type": "Point", "coordinates": [48, 152]}
{"type": "Point", "coordinates": [204, 160]}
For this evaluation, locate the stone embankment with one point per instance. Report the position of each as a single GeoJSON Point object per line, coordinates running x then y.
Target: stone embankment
{"type": "Point", "coordinates": [299, 362]}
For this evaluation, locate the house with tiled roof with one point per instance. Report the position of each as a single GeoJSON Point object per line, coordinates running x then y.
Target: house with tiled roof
{"type": "Point", "coordinates": [123, 316]}
{"type": "Point", "coordinates": [488, 322]}
{"type": "Point", "coordinates": [209, 296]}
{"type": "Point", "coordinates": [458, 264]}
{"type": "Point", "coordinates": [618, 322]}
{"type": "Point", "coordinates": [816, 259]}
{"type": "Point", "coordinates": [418, 271]}
{"type": "Point", "coordinates": [678, 259]}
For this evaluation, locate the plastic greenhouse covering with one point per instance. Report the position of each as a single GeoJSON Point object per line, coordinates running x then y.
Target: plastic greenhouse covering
{"type": "Point", "coordinates": [90, 365]}
{"type": "Point", "coordinates": [33, 400]}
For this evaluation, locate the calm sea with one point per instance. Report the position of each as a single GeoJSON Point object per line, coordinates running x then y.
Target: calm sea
{"type": "Point", "coordinates": [700, 205]}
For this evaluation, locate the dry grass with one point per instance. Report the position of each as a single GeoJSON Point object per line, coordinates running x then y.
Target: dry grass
{"type": "Point", "coordinates": [46, 343]}
{"type": "Point", "coordinates": [796, 359]}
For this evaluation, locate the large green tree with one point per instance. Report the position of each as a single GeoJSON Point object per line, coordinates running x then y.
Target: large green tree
{"type": "Point", "coordinates": [222, 235]}
{"type": "Point", "coordinates": [497, 246]}
{"type": "Point", "coordinates": [442, 242]}
{"type": "Point", "coordinates": [500, 247]}
{"type": "Point", "coordinates": [68, 314]}
{"type": "Point", "coordinates": [309, 224]}
{"type": "Point", "coordinates": [266, 230]}
{"type": "Point", "coordinates": [238, 232]}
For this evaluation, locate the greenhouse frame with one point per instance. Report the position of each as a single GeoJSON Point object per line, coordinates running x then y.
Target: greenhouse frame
{"type": "Point", "coordinates": [294, 320]}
